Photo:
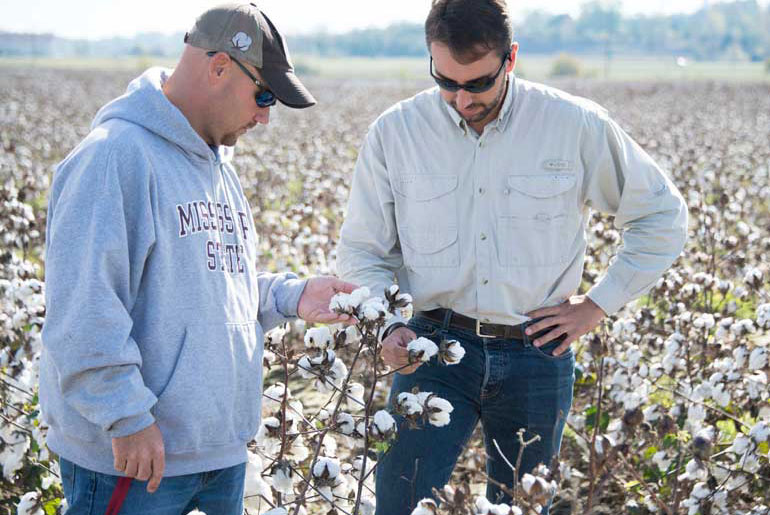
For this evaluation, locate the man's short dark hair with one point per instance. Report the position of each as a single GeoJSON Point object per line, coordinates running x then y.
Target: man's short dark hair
{"type": "Point", "coordinates": [470, 28]}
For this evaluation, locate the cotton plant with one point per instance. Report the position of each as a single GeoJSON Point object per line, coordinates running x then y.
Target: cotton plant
{"type": "Point", "coordinates": [30, 504]}
{"type": "Point", "coordinates": [419, 408]}
{"type": "Point", "coordinates": [629, 440]}
{"type": "Point", "coordinates": [325, 456]}
{"type": "Point", "coordinates": [451, 500]}
{"type": "Point", "coordinates": [667, 397]}
{"type": "Point", "coordinates": [28, 472]}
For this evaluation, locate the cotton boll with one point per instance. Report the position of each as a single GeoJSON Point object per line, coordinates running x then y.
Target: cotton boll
{"type": "Point", "coordinates": [283, 479]}
{"type": "Point", "coordinates": [355, 396]}
{"type": "Point", "coordinates": [438, 410]}
{"type": "Point", "coordinates": [326, 477]}
{"type": "Point", "coordinates": [425, 507]}
{"type": "Point", "coordinates": [254, 485]}
{"type": "Point", "coordinates": [273, 396]}
{"type": "Point", "coordinates": [760, 432]}
{"type": "Point", "coordinates": [408, 404]}
{"type": "Point", "coordinates": [368, 505]}
{"type": "Point", "coordinates": [30, 504]}
{"type": "Point", "coordinates": [384, 424]}
{"type": "Point", "coordinates": [345, 423]}
{"type": "Point", "coordinates": [318, 338]}
{"type": "Point", "coordinates": [451, 352]}
{"type": "Point", "coordinates": [758, 358]}
{"type": "Point", "coordinates": [421, 349]}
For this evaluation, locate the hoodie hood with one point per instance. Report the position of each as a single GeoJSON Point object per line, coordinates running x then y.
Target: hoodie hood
{"type": "Point", "coordinates": [145, 104]}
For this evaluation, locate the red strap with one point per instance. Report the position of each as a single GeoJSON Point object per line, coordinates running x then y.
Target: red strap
{"type": "Point", "coordinates": [118, 496]}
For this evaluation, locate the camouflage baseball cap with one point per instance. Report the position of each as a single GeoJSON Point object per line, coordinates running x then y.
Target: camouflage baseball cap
{"type": "Point", "coordinates": [243, 32]}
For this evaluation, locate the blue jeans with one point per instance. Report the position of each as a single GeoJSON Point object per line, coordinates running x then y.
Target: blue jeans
{"type": "Point", "coordinates": [507, 385]}
{"type": "Point", "coordinates": [214, 492]}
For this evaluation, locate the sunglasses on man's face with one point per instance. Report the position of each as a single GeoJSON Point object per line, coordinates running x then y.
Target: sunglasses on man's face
{"type": "Point", "coordinates": [264, 97]}
{"type": "Point", "coordinates": [479, 85]}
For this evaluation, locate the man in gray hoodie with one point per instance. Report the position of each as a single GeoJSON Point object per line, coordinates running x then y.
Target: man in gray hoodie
{"type": "Point", "coordinates": [156, 310]}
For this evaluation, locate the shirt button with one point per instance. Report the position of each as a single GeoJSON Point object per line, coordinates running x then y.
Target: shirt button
{"type": "Point", "coordinates": [485, 281]}
{"type": "Point", "coordinates": [506, 191]}
{"type": "Point", "coordinates": [481, 191]}
{"type": "Point", "coordinates": [483, 236]}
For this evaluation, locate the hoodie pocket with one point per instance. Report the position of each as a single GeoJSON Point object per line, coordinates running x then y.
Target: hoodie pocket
{"type": "Point", "coordinates": [213, 395]}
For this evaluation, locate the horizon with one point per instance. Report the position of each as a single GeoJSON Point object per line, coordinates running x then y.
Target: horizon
{"type": "Point", "coordinates": [175, 16]}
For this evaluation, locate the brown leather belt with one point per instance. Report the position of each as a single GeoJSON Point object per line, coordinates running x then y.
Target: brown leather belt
{"type": "Point", "coordinates": [482, 329]}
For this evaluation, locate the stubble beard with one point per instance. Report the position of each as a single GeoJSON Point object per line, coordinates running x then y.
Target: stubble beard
{"type": "Point", "coordinates": [488, 108]}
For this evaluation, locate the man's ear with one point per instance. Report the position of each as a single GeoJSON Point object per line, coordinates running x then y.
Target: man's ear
{"type": "Point", "coordinates": [512, 62]}
{"type": "Point", "coordinates": [219, 66]}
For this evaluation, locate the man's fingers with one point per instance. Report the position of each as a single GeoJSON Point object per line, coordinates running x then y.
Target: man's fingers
{"type": "Point", "coordinates": [144, 469]}
{"type": "Point", "coordinates": [120, 463]}
{"type": "Point", "coordinates": [545, 312]}
{"type": "Point", "coordinates": [405, 336]}
{"type": "Point", "coordinates": [401, 353]}
{"type": "Point", "coordinates": [132, 467]}
{"type": "Point", "coordinates": [395, 355]}
{"type": "Point", "coordinates": [343, 287]}
{"type": "Point", "coordinates": [552, 335]}
{"type": "Point", "coordinates": [543, 324]}
{"type": "Point", "coordinates": [158, 466]}
{"type": "Point", "coordinates": [330, 317]}
{"type": "Point", "coordinates": [563, 347]}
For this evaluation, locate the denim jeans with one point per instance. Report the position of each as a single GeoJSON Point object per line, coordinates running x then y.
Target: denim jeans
{"type": "Point", "coordinates": [214, 492]}
{"type": "Point", "coordinates": [507, 385]}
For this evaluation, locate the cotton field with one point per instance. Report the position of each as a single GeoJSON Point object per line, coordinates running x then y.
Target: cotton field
{"type": "Point", "coordinates": [672, 407]}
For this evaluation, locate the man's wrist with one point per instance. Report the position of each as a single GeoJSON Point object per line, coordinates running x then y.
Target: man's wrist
{"type": "Point", "coordinates": [392, 328]}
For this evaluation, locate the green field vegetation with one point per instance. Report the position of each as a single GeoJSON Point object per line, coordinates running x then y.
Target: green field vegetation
{"type": "Point", "coordinates": [536, 67]}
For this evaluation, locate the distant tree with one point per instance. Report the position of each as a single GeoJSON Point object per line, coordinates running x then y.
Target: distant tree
{"type": "Point", "coordinates": [599, 18]}
{"type": "Point", "coordinates": [565, 66]}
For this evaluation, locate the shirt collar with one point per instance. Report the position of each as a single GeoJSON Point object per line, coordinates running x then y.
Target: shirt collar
{"type": "Point", "coordinates": [498, 123]}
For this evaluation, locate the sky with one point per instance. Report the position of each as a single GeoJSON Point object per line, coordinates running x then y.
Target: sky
{"type": "Point", "coordinates": [95, 19]}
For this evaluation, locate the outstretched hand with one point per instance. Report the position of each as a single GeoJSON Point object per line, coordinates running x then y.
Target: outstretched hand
{"type": "Point", "coordinates": [314, 302]}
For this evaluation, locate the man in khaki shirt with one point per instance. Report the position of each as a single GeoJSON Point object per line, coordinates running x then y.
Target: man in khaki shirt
{"type": "Point", "coordinates": [475, 196]}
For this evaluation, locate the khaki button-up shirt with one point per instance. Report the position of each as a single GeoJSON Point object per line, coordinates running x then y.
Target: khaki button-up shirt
{"type": "Point", "coordinates": [494, 225]}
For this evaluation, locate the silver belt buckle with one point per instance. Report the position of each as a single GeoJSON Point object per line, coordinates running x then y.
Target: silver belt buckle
{"type": "Point", "coordinates": [478, 331]}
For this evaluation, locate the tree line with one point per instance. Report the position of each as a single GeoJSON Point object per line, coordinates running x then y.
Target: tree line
{"type": "Point", "coordinates": [738, 30]}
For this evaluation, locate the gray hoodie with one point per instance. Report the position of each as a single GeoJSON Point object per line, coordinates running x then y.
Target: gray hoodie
{"type": "Point", "coordinates": [155, 308]}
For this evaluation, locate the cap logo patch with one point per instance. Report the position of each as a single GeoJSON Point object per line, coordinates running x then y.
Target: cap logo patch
{"type": "Point", "coordinates": [241, 41]}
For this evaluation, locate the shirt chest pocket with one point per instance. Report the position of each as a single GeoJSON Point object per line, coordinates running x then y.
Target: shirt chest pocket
{"type": "Point", "coordinates": [538, 219]}
{"type": "Point", "coordinates": [426, 214]}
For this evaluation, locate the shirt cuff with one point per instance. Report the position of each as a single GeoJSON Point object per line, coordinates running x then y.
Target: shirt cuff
{"type": "Point", "coordinates": [608, 295]}
{"type": "Point", "coordinates": [395, 319]}
{"type": "Point", "coordinates": [130, 425]}
{"type": "Point", "coordinates": [287, 298]}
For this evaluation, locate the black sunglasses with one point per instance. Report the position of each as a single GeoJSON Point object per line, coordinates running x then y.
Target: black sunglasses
{"type": "Point", "coordinates": [264, 97]}
{"type": "Point", "coordinates": [475, 86]}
